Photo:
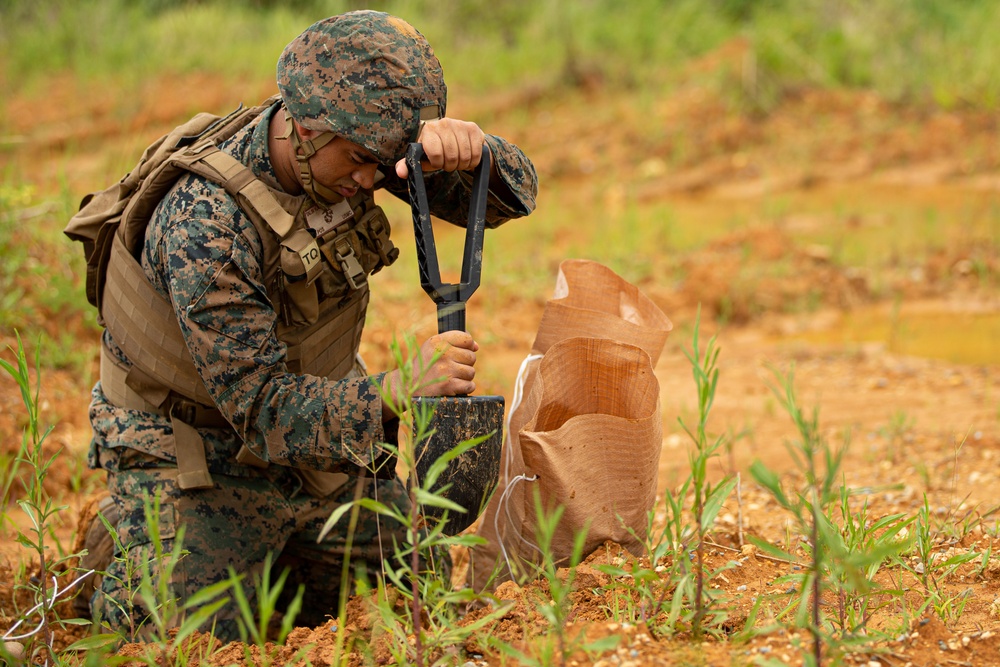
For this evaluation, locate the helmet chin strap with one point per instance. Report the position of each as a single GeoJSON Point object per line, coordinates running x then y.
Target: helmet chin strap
{"type": "Point", "coordinates": [304, 150]}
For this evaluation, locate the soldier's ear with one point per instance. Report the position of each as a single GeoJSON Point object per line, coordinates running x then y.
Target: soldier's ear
{"type": "Point", "coordinates": [305, 133]}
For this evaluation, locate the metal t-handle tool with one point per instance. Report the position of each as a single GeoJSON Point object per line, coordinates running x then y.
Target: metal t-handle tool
{"type": "Point", "coordinates": [470, 479]}
{"type": "Point", "coordinates": [449, 297]}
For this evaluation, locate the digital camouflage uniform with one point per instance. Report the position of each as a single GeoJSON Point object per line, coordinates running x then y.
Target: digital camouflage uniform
{"type": "Point", "coordinates": [204, 254]}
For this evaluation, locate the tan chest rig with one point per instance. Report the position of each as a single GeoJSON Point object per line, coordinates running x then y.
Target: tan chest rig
{"type": "Point", "coordinates": [316, 264]}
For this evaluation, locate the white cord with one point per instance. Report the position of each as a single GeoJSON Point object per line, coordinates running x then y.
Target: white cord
{"type": "Point", "coordinates": [509, 461]}
{"type": "Point", "coordinates": [514, 405]}
{"type": "Point", "coordinates": [51, 601]}
{"type": "Point", "coordinates": [496, 524]}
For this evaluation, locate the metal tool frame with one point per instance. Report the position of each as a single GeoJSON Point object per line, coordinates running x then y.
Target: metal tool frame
{"type": "Point", "coordinates": [449, 297]}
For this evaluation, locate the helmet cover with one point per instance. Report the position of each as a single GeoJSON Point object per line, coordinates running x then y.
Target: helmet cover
{"type": "Point", "coordinates": [366, 76]}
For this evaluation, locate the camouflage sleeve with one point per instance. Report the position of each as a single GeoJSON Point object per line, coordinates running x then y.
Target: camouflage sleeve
{"type": "Point", "coordinates": [449, 192]}
{"type": "Point", "coordinates": [213, 275]}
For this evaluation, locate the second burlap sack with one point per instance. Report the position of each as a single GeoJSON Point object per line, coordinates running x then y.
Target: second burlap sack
{"type": "Point", "coordinates": [584, 428]}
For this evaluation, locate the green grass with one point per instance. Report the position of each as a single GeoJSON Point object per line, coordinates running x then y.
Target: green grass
{"type": "Point", "coordinates": [40, 286]}
{"type": "Point", "coordinates": [932, 50]}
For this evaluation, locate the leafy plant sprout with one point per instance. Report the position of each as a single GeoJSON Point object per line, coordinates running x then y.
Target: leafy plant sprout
{"type": "Point", "coordinates": [707, 499]}
{"type": "Point", "coordinates": [39, 508]}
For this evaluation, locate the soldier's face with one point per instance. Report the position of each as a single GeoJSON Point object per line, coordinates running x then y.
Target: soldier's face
{"type": "Point", "coordinates": [344, 166]}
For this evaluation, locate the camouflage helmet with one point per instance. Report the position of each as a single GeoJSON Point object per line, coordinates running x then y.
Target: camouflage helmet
{"type": "Point", "coordinates": [366, 76]}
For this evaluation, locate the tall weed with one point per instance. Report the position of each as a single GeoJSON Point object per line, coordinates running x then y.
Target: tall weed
{"type": "Point", "coordinates": [681, 598]}
{"type": "Point", "coordinates": [842, 560]}
{"type": "Point", "coordinates": [35, 626]}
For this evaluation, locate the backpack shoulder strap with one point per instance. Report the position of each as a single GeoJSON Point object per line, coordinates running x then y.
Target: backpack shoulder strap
{"type": "Point", "coordinates": [101, 213]}
{"type": "Point", "coordinates": [172, 163]}
{"type": "Point", "coordinates": [250, 193]}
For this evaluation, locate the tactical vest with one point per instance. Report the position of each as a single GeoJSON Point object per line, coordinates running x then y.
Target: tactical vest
{"type": "Point", "coordinates": [315, 263]}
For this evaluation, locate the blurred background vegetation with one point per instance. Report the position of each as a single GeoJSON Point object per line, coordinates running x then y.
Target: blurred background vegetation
{"type": "Point", "coordinates": [941, 52]}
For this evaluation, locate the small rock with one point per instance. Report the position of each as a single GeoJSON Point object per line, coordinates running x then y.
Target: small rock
{"type": "Point", "coordinates": [995, 608]}
{"type": "Point", "coordinates": [963, 267]}
{"type": "Point", "coordinates": [16, 651]}
{"type": "Point", "coordinates": [508, 590]}
{"type": "Point", "coordinates": [819, 253]}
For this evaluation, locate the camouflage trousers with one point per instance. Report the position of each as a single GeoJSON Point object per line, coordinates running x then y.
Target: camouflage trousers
{"type": "Point", "coordinates": [237, 524]}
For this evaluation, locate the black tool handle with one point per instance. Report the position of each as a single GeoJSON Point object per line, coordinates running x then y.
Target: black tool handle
{"type": "Point", "coordinates": [449, 297]}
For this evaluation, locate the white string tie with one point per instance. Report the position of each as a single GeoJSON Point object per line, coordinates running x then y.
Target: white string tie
{"type": "Point", "coordinates": [496, 524]}
{"type": "Point", "coordinates": [515, 403]}
{"type": "Point", "coordinates": [56, 592]}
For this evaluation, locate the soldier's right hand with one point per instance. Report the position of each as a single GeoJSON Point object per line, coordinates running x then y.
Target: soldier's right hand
{"type": "Point", "coordinates": [447, 361]}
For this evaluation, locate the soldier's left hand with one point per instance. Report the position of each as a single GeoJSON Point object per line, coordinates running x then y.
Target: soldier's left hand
{"type": "Point", "coordinates": [449, 144]}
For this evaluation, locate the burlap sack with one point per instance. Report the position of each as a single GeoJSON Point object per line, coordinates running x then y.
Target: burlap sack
{"type": "Point", "coordinates": [591, 402]}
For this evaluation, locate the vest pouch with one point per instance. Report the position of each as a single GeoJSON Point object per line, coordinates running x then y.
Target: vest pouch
{"type": "Point", "coordinates": [348, 262]}
{"type": "Point", "coordinates": [374, 227]}
{"type": "Point", "coordinates": [301, 265]}
{"type": "Point", "coordinates": [317, 484]}
{"type": "Point", "coordinates": [94, 226]}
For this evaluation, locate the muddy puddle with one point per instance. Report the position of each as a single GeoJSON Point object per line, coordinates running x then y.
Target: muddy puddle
{"type": "Point", "coordinates": [957, 337]}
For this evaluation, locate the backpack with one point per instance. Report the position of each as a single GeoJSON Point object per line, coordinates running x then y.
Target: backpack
{"type": "Point", "coordinates": [141, 189]}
